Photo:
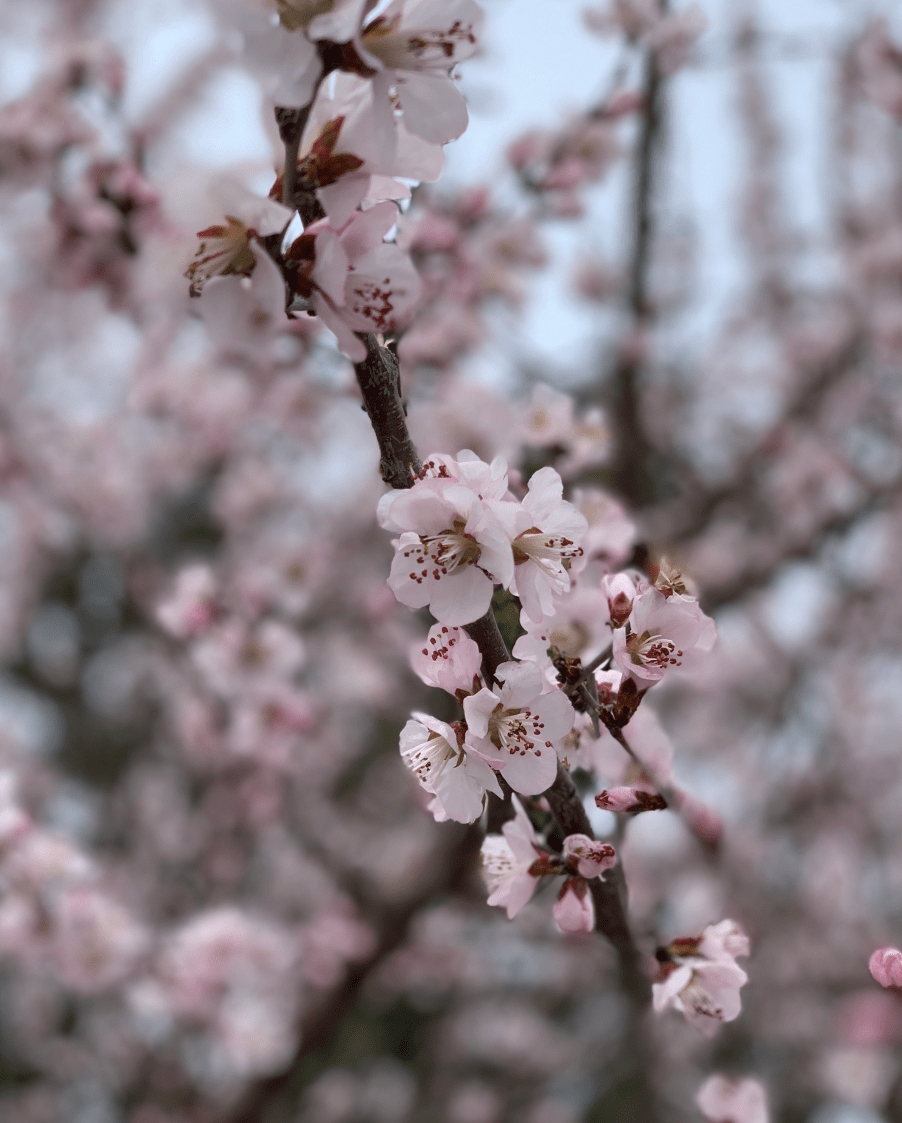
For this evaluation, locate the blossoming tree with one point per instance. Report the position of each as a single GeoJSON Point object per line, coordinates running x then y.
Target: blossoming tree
{"type": "Point", "coordinates": [343, 652]}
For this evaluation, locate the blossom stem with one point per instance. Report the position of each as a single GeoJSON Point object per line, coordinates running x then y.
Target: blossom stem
{"type": "Point", "coordinates": [487, 636]}
{"type": "Point", "coordinates": [380, 384]}
{"type": "Point", "coordinates": [291, 124]}
{"type": "Point", "coordinates": [604, 657]}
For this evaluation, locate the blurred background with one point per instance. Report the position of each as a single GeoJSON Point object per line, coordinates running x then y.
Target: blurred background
{"type": "Point", "coordinates": [666, 257]}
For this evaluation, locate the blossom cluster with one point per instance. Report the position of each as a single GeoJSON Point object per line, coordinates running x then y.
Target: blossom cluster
{"type": "Point", "coordinates": [462, 532]}
{"type": "Point", "coordinates": [515, 861]}
{"type": "Point", "coordinates": [379, 123]}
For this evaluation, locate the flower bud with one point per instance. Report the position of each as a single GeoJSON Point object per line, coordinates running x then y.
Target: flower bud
{"type": "Point", "coordinates": [886, 967]}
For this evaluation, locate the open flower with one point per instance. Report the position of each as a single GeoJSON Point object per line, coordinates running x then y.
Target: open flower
{"type": "Point", "coordinates": [354, 281]}
{"type": "Point", "coordinates": [451, 551]}
{"type": "Point", "coordinates": [665, 632]}
{"type": "Point", "coordinates": [700, 976]}
{"type": "Point", "coordinates": [545, 533]}
{"type": "Point", "coordinates": [434, 751]}
{"type": "Point", "coordinates": [229, 245]}
{"type": "Point", "coordinates": [513, 862]}
{"type": "Point", "coordinates": [517, 728]}
{"type": "Point", "coordinates": [412, 47]}
{"type": "Point", "coordinates": [347, 162]}
{"type": "Point", "coordinates": [449, 660]}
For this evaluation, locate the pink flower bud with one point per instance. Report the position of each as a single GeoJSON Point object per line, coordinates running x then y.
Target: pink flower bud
{"type": "Point", "coordinates": [629, 800]}
{"type": "Point", "coordinates": [573, 910]}
{"type": "Point", "coordinates": [620, 591]}
{"type": "Point", "coordinates": [886, 967]}
{"type": "Point", "coordinates": [590, 858]}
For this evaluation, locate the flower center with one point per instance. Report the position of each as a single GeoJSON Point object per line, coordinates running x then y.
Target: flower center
{"type": "Point", "coordinates": [549, 551]}
{"type": "Point", "coordinates": [443, 553]}
{"type": "Point", "coordinates": [429, 758]}
{"type": "Point", "coordinates": [695, 995]}
{"type": "Point", "coordinates": [654, 650]}
{"type": "Point", "coordinates": [517, 732]}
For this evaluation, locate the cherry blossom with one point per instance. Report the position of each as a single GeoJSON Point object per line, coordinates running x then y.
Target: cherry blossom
{"type": "Point", "coordinates": [886, 966]}
{"type": "Point", "coordinates": [355, 281]}
{"type": "Point", "coordinates": [590, 858]}
{"type": "Point", "coordinates": [725, 1099]}
{"type": "Point", "coordinates": [451, 550]}
{"type": "Point", "coordinates": [699, 976]}
{"type": "Point", "coordinates": [664, 633]}
{"type": "Point", "coordinates": [347, 163]}
{"type": "Point", "coordinates": [489, 481]}
{"type": "Point", "coordinates": [243, 315]}
{"type": "Point", "coordinates": [449, 660]}
{"type": "Point", "coordinates": [443, 763]}
{"type": "Point", "coordinates": [576, 630]}
{"type": "Point", "coordinates": [514, 861]}
{"type": "Point", "coordinates": [230, 245]}
{"type": "Point", "coordinates": [518, 728]}
{"type": "Point", "coordinates": [412, 46]}
{"type": "Point", "coordinates": [545, 533]}
{"type": "Point", "coordinates": [611, 532]}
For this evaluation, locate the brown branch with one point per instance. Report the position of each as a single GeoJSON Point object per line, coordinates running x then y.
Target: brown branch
{"type": "Point", "coordinates": [487, 635]}
{"type": "Point", "coordinates": [379, 380]}
{"type": "Point", "coordinates": [632, 445]}
{"type": "Point", "coordinates": [291, 124]}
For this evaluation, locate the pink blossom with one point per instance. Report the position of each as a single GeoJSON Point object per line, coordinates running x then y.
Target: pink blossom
{"type": "Point", "coordinates": [97, 942]}
{"type": "Point", "coordinates": [449, 660]}
{"type": "Point", "coordinates": [611, 533]}
{"type": "Point", "coordinates": [724, 941]}
{"type": "Point", "coordinates": [457, 777]}
{"type": "Point", "coordinates": [451, 551]}
{"type": "Point", "coordinates": [243, 315]}
{"type": "Point", "coordinates": [591, 858]}
{"type": "Point", "coordinates": [238, 661]}
{"type": "Point", "coordinates": [548, 417]}
{"type": "Point", "coordinates": [886, 966]}
{"type": "Point", "coordinates": [346, 162]}
{"type": "Point", "coordinates": [230, 246]}
{"type": "Point", "coordinates": [413, 45]}
{"type": "Point", "coordinates": [700, 976]}
{"type": "Point", "coordinates": [664, 633]}
{"type": "Point", "coordinates": [517, 728]}
{"type": "Point", "coordinates": [577, 629]}
{"type": "Point", "coordinates": [545, 533]}
{"type": "Point", "coordinates": [574, 910]}
{"type": "Point", "coordinates": [513, 862]}
{"type": "Point", "coordinates": [285, 64]}
{"type": "Point", "coordinates": [191, 606]}
{"type": "Point", "coordinates": [725, 1099]}
{"type": "Point", "coordinates": [488, 481]}
{"type": "Point", "coordinates": [356, 281]}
